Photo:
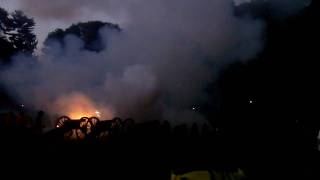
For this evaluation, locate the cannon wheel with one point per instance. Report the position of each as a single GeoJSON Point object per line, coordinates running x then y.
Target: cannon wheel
{"type": "Point", "coordinates": [94, 121]}
{"type": "Point", "coordinates": [84, 124]}
{"type": "Point", "coordinates": [91, 124]}
{"type": "Point", "coordinates": [61, 120]}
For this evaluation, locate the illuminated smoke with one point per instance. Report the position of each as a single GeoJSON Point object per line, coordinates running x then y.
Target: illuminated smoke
{"type": "Point", "coordinates": [157, 68]}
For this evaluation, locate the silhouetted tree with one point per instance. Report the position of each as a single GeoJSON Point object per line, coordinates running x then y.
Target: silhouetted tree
{"type": "Point", "coordinates": [16, 34]}
{"type": "Point", "coordinates": [6, 48]}
{"type": "Point", "coordinates": [24, 40]}
{"type": "Point", "coordinates": [88, 32]}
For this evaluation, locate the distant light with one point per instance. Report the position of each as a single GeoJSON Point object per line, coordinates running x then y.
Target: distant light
{"type": "Point", "coordinates": [98, 113]}
{"type": "Point", "coordinates": [194, 108]}
{"type": "Point", "coordinates": [22, 105]}
{"type": "Point", "coordinates": [251, 102]}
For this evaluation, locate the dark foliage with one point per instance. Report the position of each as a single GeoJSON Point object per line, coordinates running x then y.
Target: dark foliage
{"type": "Point", "coordinates": [16, 34]}
{"type": "Point", "coordinates": [88, 32]}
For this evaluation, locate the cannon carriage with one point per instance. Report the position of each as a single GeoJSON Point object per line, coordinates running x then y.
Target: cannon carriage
{"type": "Point", "coordinates": [76, 129]}
{"type": "Point", "coordinates": [92, 127]}
{"type": "Point", "coordinates": [88, 127]}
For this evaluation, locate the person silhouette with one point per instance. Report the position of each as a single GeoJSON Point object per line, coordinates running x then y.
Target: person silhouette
{"type": "Point", "coordinates": [38, 122]}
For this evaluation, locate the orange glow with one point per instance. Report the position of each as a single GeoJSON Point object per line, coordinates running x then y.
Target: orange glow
{"type": "Point", "coordinates": [78, 114]}
{"type": "Point", "coordinates": [77, 105]}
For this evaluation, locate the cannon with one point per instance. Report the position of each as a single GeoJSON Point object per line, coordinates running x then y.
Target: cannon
{"type": "Point", "coordinates": [76, 129]}
{"type": "Point", "coordinates": [91, 127]}
{"type": "Point", "coordinates": [105, 129]}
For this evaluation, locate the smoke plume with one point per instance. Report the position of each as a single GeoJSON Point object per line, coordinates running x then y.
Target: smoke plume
{"type": "Point", "coordinates": [157, 67]}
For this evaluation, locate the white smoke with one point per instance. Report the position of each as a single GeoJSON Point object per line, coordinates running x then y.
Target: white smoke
{"type": "Point", "coordinates": [156, 68]}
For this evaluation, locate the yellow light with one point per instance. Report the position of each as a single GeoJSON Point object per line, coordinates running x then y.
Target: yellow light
{"type": "Point", "coordinates": [78, 105]}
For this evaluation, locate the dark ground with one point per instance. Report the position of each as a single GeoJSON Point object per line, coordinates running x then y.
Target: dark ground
{"type": "Point", "coordinates": [152, 151]}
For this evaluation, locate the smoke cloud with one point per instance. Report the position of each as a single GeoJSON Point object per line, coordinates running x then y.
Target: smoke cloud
{"type": "Point", "coordinates": [157, 68]}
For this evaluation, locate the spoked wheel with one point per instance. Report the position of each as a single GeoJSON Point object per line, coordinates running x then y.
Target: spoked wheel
{"type": "Point", "coordinates": [61, 121]}
{"type": "Point", "coordinates": [91, 125]}
{"type": "Point", "coordinates": [84, 124]}
{"type": "Point", "coordinates": [84, 121]}
{"type": "Point", "coordinates": [94, 121]}
{"type": "Point", "coordinates": [88, 124]}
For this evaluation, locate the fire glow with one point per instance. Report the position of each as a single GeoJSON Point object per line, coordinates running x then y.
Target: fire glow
{"type": "Point", "coordinates": [77, 105]}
